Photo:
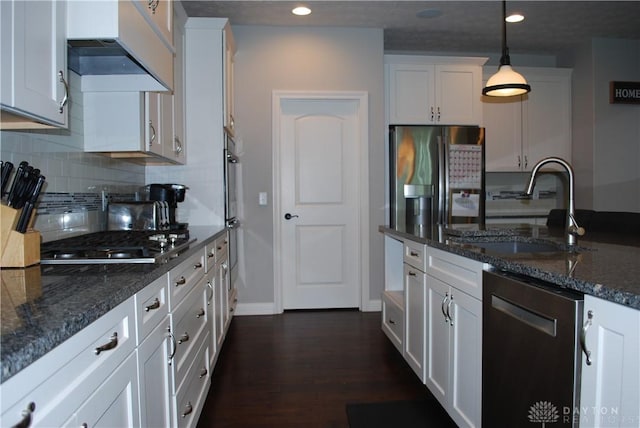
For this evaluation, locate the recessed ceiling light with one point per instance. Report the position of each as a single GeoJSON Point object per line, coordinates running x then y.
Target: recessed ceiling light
{"type": "Point", "coordinates": [301, 11]}
{"type": "Point", "coordinates": [514, 17]}
{"type": "Point", "coordinates": [429, 13]}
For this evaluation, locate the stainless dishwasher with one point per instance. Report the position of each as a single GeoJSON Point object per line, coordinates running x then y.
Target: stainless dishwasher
{"type": "Point", "coordinates": [530, 352]}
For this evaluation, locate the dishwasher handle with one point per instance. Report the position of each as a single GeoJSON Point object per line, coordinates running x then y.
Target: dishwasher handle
{"type": "Point", "coordinates": [583, 336]}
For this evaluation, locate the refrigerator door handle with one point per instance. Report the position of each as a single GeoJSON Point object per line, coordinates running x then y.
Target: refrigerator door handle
{"type": "Point", "coordinates": [442, 172]}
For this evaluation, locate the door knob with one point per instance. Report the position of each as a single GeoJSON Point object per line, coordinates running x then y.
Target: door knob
{"type": "Point", "coordinates": [288, 216]}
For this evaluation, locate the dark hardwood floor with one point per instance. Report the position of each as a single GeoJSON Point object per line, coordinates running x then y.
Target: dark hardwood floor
{"type": "Point", "coordinates": [301, 368]}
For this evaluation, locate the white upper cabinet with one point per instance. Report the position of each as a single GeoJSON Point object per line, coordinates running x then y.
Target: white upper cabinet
{"type": "Point", "coordinates": [229, 52]}
{"type": "Point", "coordinates": [522, 130]}
{"type": "Point", "coordinates": [128, 25]}
{"type": "Point", "coordinates": [34, 88]}
{"type": "Point", "coordinates": [423, 90]}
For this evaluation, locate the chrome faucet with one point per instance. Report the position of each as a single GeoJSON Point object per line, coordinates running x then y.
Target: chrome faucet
{"type": "Point", "coordinates": [573, 230]}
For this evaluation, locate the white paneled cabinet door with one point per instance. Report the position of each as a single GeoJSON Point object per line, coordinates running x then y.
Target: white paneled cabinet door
{"type": "Point", "coordinates": [115, 402]}
{"type": "Point", "coordinates": [34, 60]}
{"type": "Point", "coordinates": [610, 386]}
{"type": "Point", "coordinates": [457, 99]}
{"type": "Point", "coordinates": [503, 133]}
{"type": "Point", "coordinates": [411, 94]}
{"type": "Point", "coordinates": [319, 216]}
{"type": "Point", "coordinates": [414, 307]}
{"type": "Point", "coordinates": [437, 361]}
{"type": "Point", "coordinates": [155, 377]}
{"type": "Point", "coordinates": [466, 368]}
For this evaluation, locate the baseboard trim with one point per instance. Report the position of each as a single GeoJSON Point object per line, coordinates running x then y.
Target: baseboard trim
{"type": "Point", "coordinates": [269, 308]}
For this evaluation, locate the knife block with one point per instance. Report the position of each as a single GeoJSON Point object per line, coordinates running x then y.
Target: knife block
{"type": "Point", "coordinates": [17, 249]}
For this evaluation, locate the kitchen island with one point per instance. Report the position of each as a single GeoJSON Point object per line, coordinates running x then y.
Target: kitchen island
{"type": "Point", "coordinates": [439, 276]}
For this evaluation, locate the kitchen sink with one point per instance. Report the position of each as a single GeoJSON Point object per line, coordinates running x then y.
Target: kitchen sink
{"type": "Point", "coordinates": [516, 247]}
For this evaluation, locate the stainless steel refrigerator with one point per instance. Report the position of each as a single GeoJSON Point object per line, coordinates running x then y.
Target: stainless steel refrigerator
{"type": "Point", "coordinates": [437, 177]}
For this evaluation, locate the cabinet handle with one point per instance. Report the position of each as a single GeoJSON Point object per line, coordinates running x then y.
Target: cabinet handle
{"type": "Point", "coordinates": [392, 322]}
{"type": "Point", "coordinates": [197, 265]}
{"type": "Point", "coordinates": [413, 253]}
{"type": "Point", "coordinates": [449, 309]}
{"type": "Point", "coordinates": [210, 288]}
{"type": "Point", "coordinates": [65, 99]}
{"type": "Point", "coordinates": [211, 254]}
{"type": "Point", "coordinates": [203, 372]}
{"type": "Point", "coordinates": [526, 162]}
{"type": "Point", "coordinates": [113, 342]}
{"type": "Point", "coordinates": [411, 273]}
{"type": "Point", "coordinates": [178, 145]}
{"type": "Point", "coordinates": [432, 114]}
{"type": "Point", "coordinates": [175, 346]}
{"type": "Point", "coordinates": [438, 114]}
{"type": "Point", "coordinates": [181, 281]}
{"type": "Point", "coordinates": [153, 133]}
{"type": "Point", "coordinates": [519, 162]}
{"type": "Point", "coordinates": [187, 409]}
{"type": "Point", "coordinates": [183, 338]}
{"type": "Point", "coordinates": [200, 313]}
{"type": "Point", "coordinates": [154, 305]}
{"type": "Point", "coordinates": [442, 307]}
{"type": "Point", "coordinates": [25, 422]}
{"type": "Point", "coordinates": [583, 336]}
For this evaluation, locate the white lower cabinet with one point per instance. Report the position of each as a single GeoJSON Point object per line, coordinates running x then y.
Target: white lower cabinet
{"type": "Point", "coordinates": [414, 307]}
{"type": "Point", "coordinates": [393, 317]}
{"type": "Point", "coordinates": [453, 362]}
{"type": "Point", "coordinates": [610, 386]}
{"type": "Point", "coordinates": [192, 393]}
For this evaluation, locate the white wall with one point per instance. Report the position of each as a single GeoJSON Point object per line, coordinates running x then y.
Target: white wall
{"type": "Point", "coordinates": [606, 137]}
{"type": "Point", "coordinates": [300, 58]}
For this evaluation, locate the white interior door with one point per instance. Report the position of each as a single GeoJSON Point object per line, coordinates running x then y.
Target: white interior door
{"type": "Point", "coordinates": [318, 181]}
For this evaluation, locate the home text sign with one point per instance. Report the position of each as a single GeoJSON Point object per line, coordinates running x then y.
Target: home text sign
{"type": "Point", "coordinates": [624, 93]}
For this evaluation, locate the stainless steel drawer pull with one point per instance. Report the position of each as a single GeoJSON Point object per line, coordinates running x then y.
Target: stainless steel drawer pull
{"type": "Point", "coordinates": [113, 342]}
{"type": "Point", "coordinates": [413, 254]}
{"type": "Point", "coordinates": [203, 372]}
{"type": "Point", "coordinates": [26, 416]}
{"type": "Point", "coordinates": [392, 322]}
{"type": "Point", "coordinates": [154, 305]}
{"type": "Point", "coordinates": [183, 338]}
{"type": "Point", "coordinates": [200, 313]}
{"type": "Point", "coordinates": [65, 99]}
{"type": "Point", "coordinates": [197, 265]}
{"type": "Point", "coordinates": [583, 336]}
{"type": "Point", "coordinates": [211, 254]}
{"type": "Point", "coordinates": [181, 281]}
{"type": "Point", "coordinates": [412, 273]}
{"type": "Point", "coordinates": [175, 346]}
{"type": "Point", "coordinates": [449, 309]}
{"type": "Point", "coordinates": [210, 288]}
{"type": "Point", "coordinates": [187, 409]}
{"type": "Point", "coordinates": [442, 307]}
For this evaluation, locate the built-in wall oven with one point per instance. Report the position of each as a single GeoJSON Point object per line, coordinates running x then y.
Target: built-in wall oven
{"type": "Point", "coordinates": [231, 165]}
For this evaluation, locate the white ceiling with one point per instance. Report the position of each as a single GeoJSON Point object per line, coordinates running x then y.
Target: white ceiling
{"type": "Point", "coordinates": [464, 26]}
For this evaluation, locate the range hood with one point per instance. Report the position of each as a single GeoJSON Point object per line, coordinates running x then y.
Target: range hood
{"type": "Point", "coordinates": [113, 46]}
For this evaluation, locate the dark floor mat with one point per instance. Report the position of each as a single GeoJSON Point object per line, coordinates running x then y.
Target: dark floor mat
{"type": "Point", "coordinates": [393, 414]}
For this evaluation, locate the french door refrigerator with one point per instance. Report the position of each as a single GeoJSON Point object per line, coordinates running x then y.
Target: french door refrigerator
{"type": "Point", "coordinates": [437, 177]}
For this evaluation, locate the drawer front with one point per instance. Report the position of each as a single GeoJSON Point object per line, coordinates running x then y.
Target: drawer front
{"type": "Point", "coordinates": [71, 372]}
{"type": "Point", "coordinates": [415, 255]}
{"type": "Point", "coordinates": [457, 271]}
{"type": "Point", "coordinates": [152, 305]}
{"type": "Point", "coordinates": [191, 396]}
{"type": "Point", "coordinates": [184, 277]}
{"type": "Point", "coordinates": [392, 322]}
{"type": "Point", "coordinates": [222, 247]}
{"type": "Point", "coordinates": [187, 323]}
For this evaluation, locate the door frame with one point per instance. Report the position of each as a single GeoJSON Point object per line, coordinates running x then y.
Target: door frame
{"type": "Point", "coordinates": [362, 97]}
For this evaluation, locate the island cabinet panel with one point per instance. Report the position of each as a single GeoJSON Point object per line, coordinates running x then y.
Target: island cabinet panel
{"type": "Point", "coordinates": [610, 386]}
{"type": "Point", "coordinates": [453, 363]}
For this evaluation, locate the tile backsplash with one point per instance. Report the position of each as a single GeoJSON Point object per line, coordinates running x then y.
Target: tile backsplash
{"type": "Point", "coordinates": [75, 181]}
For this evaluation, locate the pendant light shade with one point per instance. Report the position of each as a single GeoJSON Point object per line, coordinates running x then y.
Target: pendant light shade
{"type": "Point", "coordinates": [506, 82]}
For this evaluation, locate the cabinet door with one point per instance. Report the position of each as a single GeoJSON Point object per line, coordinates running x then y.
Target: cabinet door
{"type": "Point", "coordinates": [457, 95]}
{"type": "Point", "coordinates": [411, 94]}
{"type": "Point", "coordinates": [502, 119]}
{"type": "Point", "coordinates": [115, 402]}
{"type": "Point", "coordinates": [546, 127]}
{"type": "Point", "coordinates": [465, 397]}
{"type": "Point", "coordinates": [155, 377]}
{"type": "Point", "coordinates": [153, 121]}
{"type": "Point", "coordinates": [229, 52]}
{"type": "Point", "coordinates": [34, 58]}
{"type": "Point", "coordinates": [610, 386]}
{"type": "Point", "coordinates": [179, 153]}
{"type": "Point", "coordinates": [415, 321]}
{"type": "Point", "coordinates": [159, 13]}
{"type": "Point", "coordinates": [437, 361]}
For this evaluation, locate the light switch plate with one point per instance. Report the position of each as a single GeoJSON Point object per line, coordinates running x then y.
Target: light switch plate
{"type": "Point", "coordinates": [262, 198]}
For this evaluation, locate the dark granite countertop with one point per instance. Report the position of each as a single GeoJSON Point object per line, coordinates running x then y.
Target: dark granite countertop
{"type": "Point", "coordinates": [608, 270]}
{"type": "Point", "coordinates": [57, 301]}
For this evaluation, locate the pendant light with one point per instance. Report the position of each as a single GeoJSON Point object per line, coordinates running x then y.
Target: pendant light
{"type": "Point", "coordinates": [506, 82]}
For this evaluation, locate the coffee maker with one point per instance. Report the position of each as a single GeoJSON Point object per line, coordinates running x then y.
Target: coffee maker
{"type": "Point", "coordinates": [171, 194]}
